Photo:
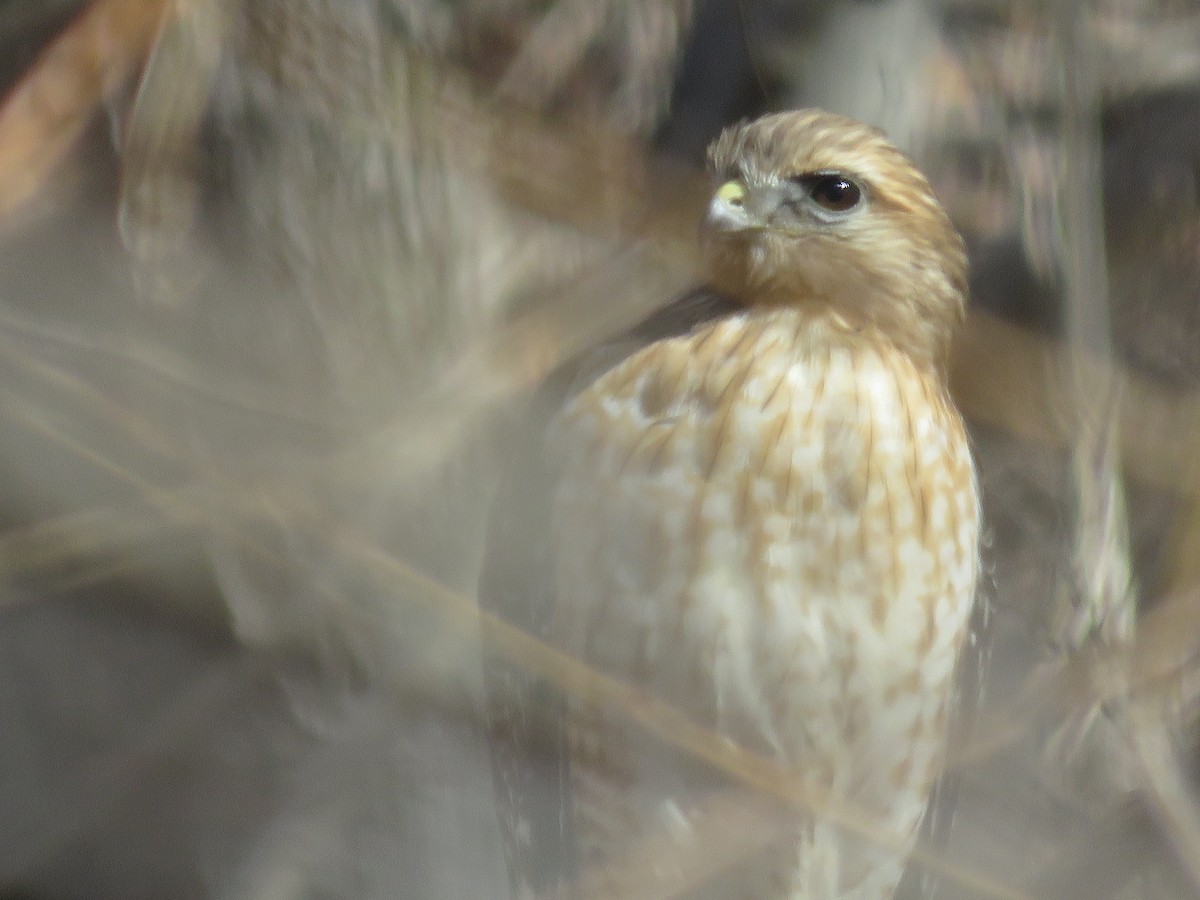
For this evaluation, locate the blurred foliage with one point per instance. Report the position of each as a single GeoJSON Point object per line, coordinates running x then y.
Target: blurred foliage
{"type": "Point", "coordinates": [275, 275]}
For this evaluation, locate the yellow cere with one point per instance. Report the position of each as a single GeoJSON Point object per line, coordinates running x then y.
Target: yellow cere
{"type": "Point", "coordinates": [732, 192]}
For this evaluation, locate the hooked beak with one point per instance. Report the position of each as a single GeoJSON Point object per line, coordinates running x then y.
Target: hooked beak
{"type": "Point", "coordinates": [735, 207]}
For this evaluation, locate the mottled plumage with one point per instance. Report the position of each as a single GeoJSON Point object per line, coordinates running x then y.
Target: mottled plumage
{"type": "Point", "coordinates": [766, 515]}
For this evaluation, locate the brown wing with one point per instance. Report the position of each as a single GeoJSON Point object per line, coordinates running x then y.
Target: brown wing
{"type": "Point", "coordinates": [525, 716]}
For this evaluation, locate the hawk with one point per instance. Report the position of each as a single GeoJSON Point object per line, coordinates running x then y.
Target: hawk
{"type": "Point", "coordinates": [759, 505]}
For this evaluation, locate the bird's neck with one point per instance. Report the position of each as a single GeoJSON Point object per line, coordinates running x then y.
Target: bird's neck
{"type": "Point", "coordinates": [858, 321]}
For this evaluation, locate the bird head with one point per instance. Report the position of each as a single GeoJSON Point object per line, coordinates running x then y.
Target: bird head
{"type": "Point", "coordinates": [817, 210]}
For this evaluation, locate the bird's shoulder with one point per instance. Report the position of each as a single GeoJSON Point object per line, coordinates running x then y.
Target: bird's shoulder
{"type": "Point", "coordinates": [516, 551]}
{"type": "Point", "coordinates": [526, 735]}
{"type": "Point", "coordinates": [756, 364]}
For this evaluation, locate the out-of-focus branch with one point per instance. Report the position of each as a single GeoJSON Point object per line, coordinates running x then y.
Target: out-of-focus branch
{"type": "Point", "coordinates": [158, 199]}
{"type": "Point", "coordinates": [1101, 597]}
{"type": "Point", "coordinates": [1136, 52]}
{"type": "Point", "coordinates": [41, 119]}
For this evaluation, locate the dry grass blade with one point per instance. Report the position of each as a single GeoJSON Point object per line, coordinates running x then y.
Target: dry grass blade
{"type": "Point", "coordinates": [145, 433]}
{"type": "Point", "coordinates": [61, 547]}
{"type": "Point", "coordinates": [1147, 670]}
{"type": "Point", "coordinates": [156, 361]}
{"type": "Point", "coordinates": [721, 832]}
{"type": "Point", "coordinates": [1162, 777]}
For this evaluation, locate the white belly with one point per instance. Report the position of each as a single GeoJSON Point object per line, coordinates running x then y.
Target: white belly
{"type": "Point", "coordinates": [775, 529]}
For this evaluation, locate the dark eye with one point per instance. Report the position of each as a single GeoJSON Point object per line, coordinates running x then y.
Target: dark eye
{"type": "Point", "coordinates": [835, 193]}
